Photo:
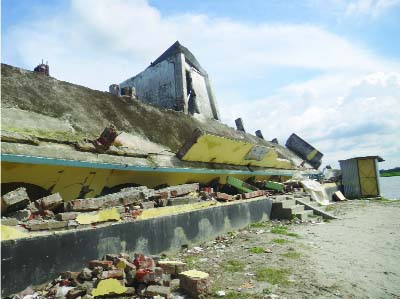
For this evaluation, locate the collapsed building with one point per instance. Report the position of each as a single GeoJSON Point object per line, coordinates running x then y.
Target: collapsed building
{"type": "Point", "coordinates": [176, 80]}
{"type": "Point", "coordinates": [162, 129]}
{"type": "Point", "coordinates": [46, 125]}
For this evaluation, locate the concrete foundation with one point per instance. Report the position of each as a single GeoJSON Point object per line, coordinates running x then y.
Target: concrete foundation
{"type": "Point", "coordinates": [32, 261]}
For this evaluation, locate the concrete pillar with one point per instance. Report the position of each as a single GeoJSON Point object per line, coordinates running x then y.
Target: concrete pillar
{"type": "Point", "coordinates": [259, 134]}
{"type": "Point", "coordinates": [180, 83]}
{"type": "Point", "coordinates": [239, 124]}
{"type": "Point", "coordinates": [213, 101]}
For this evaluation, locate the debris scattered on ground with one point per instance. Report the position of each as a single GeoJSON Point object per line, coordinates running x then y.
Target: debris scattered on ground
{"type": "Point", "coordinates": [52, 213]}
{"type": "Point", "coordinates": [122, 275]}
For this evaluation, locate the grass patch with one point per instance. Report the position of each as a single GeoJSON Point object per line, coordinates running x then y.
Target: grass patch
{"type": "Point", "coordinates": [258, 225]}
{"type": "Point", "coordinates": [280, 241]}
{"type": "Point", "coordinates": [236, 295]}
{"type": "Point", "coordinates": [234, 266]}
{"type": "Point", "coordinates": [292, 255]}
{"type": "Point", "coordinates": [390, 173]}
{"type": "Point", "coordinates": [191, 261]}
{"type": "Point", "coordinates": [330, 208]}
{"type": "Point", "coordinates": [273, 275]}
{"type": "Point", "coordinates": [283, 230]}
{"type": "Point", "coordinates": [257, 250]}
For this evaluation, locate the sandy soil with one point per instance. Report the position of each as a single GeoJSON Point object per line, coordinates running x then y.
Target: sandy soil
{"type": "Point", "coordinates": [355, 257]}
{"type": "Point", "coordinates": [358, 255]}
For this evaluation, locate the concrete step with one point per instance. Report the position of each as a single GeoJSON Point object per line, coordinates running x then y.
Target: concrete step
{"type": "Point", "coordinates": [303, 198]}
{"type": "Point", "coordinates": [318, 210]}
{"type": "Point", "coordinates": [285, 213]}
{"type": "Point", "coordinates": [304, 215]}
{"type": "Point", "coordinates": [284, 204]}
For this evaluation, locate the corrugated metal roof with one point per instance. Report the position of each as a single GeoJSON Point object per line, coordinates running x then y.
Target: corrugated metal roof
{"type": "Point", "coordinates": [379, 158]}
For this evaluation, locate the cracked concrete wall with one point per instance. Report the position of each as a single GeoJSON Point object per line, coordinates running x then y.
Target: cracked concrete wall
{"type": "Point", "coordinates": [202, 97]}
{"type": "Point", "coordinates": [156, 84]}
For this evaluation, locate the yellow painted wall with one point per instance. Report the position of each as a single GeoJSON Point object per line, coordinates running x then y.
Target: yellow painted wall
{"type": "Point", "coordinates": [216, 149]}
{"type": "Point", "coordinates": [368, 179]}
{"type": "Point", "coordinates": [69, 181]}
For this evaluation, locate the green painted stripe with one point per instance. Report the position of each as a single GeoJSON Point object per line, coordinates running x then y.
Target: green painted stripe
{"type": "Point", "coordinates": [76, 163]}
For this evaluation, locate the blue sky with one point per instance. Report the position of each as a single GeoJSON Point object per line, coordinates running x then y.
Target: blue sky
{"type": "Point", "coordinates": [327, 70]}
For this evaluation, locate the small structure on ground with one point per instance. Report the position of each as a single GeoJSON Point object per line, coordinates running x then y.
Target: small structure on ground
{"type": "Point", "coordinates": [42, 69]}
{"type": "Point", "coordinates": [360, 176]}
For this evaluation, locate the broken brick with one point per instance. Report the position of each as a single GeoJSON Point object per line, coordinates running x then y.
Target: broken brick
{"type": "Point", "coordinates": [86, 274]}
{"type": "Point", "coordinates": [196, 283]}
{"type": "Point", "coordinates": [75, 293]}
{"type": "Point", "coordinates": [51, 202]}
{"type": "Point", "coordinates": [69, 275]}
{"type": "Point", "coordinates": [117, 274]}
{"type": "Point", "coordinates": [172, 267]}
{"type": "Point", "coordinates": [106, 265]}
{"type": "Point", "coordinates": [57, 224]}
{"type": "Point", "coordinates": [124, 264]}
{"type": "Point", "coordinates": [183, 189]}
{"type": "Point", "coordinates": [222, 196]}
{"type": "Point", "coordinates": [9, 221]}
{"type": "Point", "coordinates": [38, 226]}
{"type": "Point", "coordinates": [253, 194]}
{"type": "Point", "coordinates": [147, 205]}
{"type": "Point", "coordinates": [67, 216]}
{"type": "Point", "coordinates": [111, 257]}
{"type": "Point", "coordinates": [154, 290]}
{"type": "Point", "coordinates": [15, 200]}
{"type": "Point", "coordinates": [21, 215]}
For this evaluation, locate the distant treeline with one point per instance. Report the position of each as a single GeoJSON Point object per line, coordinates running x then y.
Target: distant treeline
{"type": "Point", "coordinates": [390, 172]}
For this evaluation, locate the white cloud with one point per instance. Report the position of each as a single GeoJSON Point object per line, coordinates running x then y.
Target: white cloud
{"type": "Point", "coordinates": [96, 43]}
{"type": "Point", "coordinates": [370, 8]}
{"type": "Point", "coordinates": [363, 121]}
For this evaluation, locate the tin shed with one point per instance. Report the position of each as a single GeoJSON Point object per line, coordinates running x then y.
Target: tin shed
{"type": "Point", "coordinates": [360, 176]}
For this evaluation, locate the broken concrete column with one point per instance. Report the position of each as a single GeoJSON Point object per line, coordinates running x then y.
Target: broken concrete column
{"type": "Point", "coordinates": [239, 124]}
{"type": "Point", "coordinates": [259, 134]}
{"type": "Point", "coordinates": [196, 283]}
{"type": "Point", "coordinates": [14, 200]}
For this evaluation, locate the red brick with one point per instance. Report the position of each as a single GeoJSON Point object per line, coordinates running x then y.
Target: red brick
{"type": "Point", "coordinates": [118, 274]}
{"type": "Point", "coordinates": [106, 265]}
{"type": "Point", "coordinates": [222, 196]}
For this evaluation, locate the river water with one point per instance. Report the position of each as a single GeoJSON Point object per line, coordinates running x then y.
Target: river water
{"type": "Point", "coordinates": [390, 187]}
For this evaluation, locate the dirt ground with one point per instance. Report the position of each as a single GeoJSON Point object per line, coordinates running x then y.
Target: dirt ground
{"type": "Point", "coordinates": [357, 256]}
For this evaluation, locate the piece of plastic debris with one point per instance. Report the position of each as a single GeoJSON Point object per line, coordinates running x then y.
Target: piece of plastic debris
{"type": "Point", "coordinates": [109, 286]}
{"type": "Point", "coordinates": [101, 216]}
{"type": "Point", "coordinates": [220, 293]}
{"type": "Point", "coordinates": [62, 291]}
{"type": "Point", "coordinates": [10, 233]}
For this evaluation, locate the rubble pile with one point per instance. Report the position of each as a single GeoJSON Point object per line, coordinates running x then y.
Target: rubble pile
{"type": "Point", "coordinates": [52, 213]}
{"type": "Point", "coordinates": [119, 275]}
